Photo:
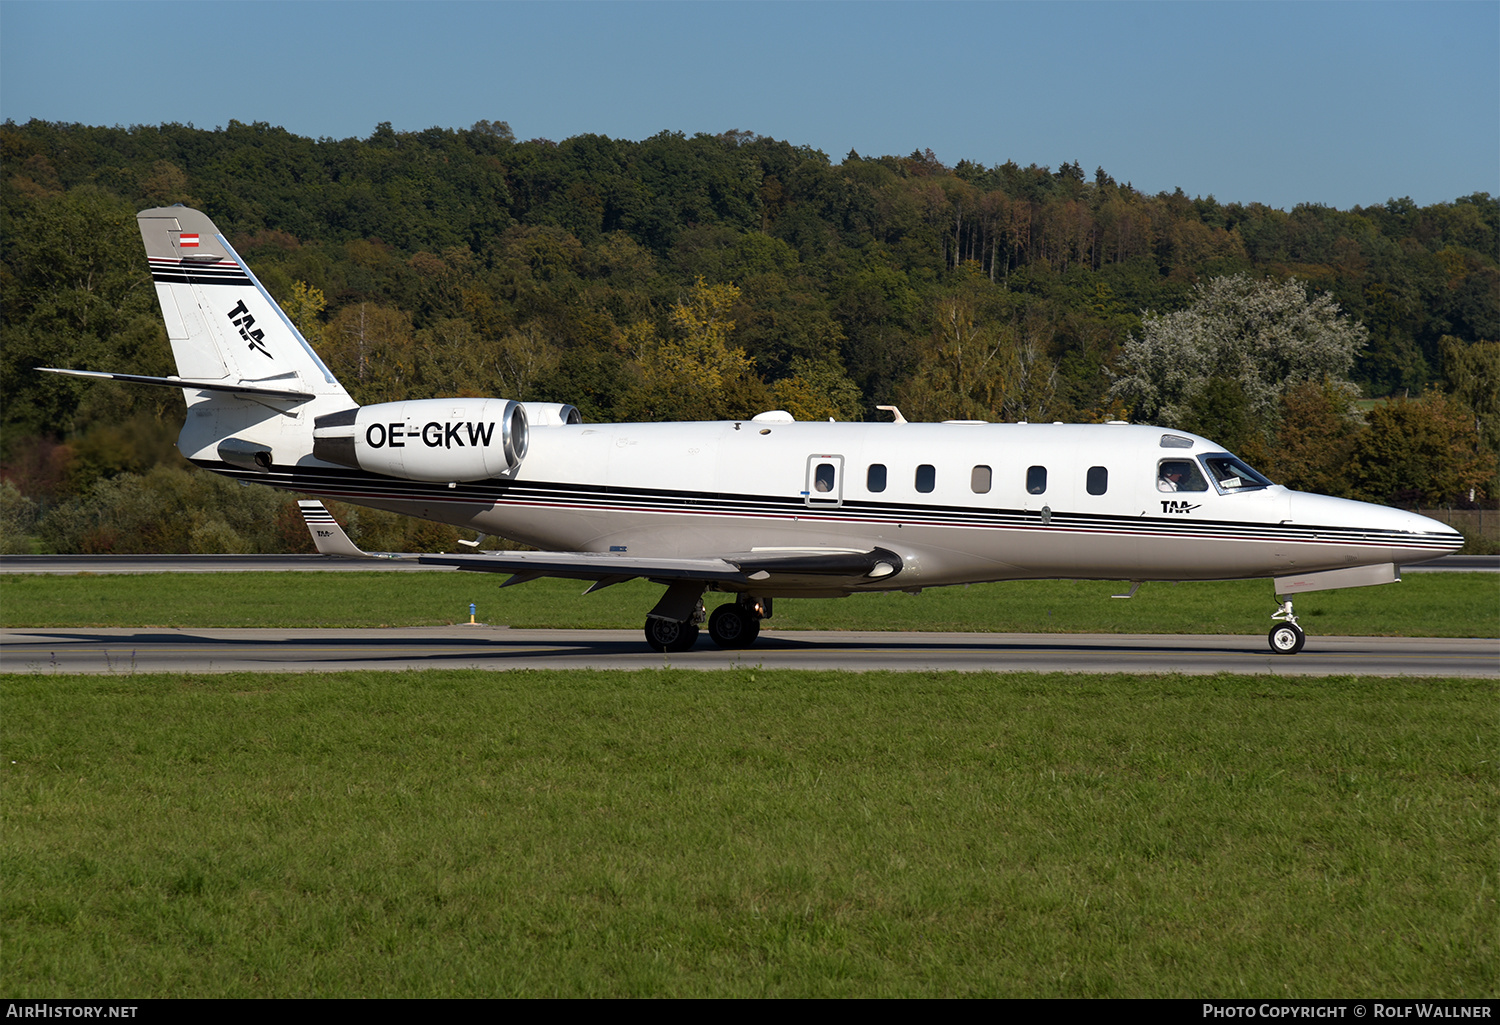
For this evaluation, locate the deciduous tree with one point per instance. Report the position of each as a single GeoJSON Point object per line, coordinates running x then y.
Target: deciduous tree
{"type": "Point", "coordinates": [692, 375]}
{"type": "Point", "coordinates": [1419, 452]}
{"type": "Point", "coordinates": [1263, 337]}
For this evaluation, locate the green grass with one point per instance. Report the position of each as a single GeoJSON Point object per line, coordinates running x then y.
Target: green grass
{"type": "Point", "coordinates": [1423, 604]}
{"type": "Point", "coordinates": [747, 833]}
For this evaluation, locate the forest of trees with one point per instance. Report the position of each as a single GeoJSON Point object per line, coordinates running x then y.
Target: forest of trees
{"type": "Point", "coordinates": [707, 276]}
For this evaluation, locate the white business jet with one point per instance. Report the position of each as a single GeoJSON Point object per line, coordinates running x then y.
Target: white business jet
{"type": "Point", "coordinates": [759, 509]}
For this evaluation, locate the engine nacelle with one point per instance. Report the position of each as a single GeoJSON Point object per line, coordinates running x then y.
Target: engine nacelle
{"type": "Point", "coordinates": [427, 439]}
{"type": "Point", "coordinates": [552, 414]}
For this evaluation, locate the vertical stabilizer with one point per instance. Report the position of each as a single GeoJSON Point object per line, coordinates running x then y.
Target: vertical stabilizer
{"type": "Point", "coordinates": [261, 385]}
{"type": "Point", "coordinates": [222, 323]}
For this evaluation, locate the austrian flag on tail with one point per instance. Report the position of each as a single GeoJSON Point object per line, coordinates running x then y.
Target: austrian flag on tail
{"type": "Point", "coordinates": [188, 241]}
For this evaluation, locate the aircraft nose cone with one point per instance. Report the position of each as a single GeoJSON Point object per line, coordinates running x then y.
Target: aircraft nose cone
{"type": "Point", "coordinates": [1401, 536]}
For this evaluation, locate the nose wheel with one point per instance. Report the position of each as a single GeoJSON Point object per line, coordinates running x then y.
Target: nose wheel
{"type": "Point", "coordinates": [1286, 637]}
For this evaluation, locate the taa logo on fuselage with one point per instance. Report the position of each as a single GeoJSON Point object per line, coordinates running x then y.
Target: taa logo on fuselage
{"type": "Point", "coordinates": [1177, 507]}
{"type": "Point", "coordinates": [432, 434]}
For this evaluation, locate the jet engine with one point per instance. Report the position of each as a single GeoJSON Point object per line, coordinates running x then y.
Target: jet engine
{"type": "Point", "coordinates": [426, 439]}
{"type": "Point", "coordinates": [552, 414]}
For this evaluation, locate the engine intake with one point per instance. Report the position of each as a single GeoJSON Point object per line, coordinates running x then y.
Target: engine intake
{"type": "Point", "coordinates": [427, 439]}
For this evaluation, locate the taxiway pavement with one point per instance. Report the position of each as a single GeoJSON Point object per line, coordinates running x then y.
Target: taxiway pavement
{"type": "Point", "coordinates": [142, 650]}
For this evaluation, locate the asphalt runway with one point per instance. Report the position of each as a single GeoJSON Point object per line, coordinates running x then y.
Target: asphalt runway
{"type": "Point", "coordinates": [143, 650]}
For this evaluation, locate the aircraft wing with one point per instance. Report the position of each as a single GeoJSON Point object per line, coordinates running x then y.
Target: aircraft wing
{"type": "Point", "coordinates": [831, 567]}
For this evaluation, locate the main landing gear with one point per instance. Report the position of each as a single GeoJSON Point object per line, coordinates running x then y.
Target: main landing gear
{"type": "Point", "coordinates": [1286, 637]}
{"type": "Point", "coordinates": [737, 624]}
{"type": "Point", "coordinates": [670, 634]}
{"type": "Point", "coordinates": [734, 625]}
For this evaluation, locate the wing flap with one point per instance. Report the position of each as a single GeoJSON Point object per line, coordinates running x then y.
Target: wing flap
{"type": "Point", "coordinates": [589, 565]}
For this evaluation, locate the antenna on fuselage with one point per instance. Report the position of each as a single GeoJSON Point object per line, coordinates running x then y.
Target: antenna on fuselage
{"type": "Point", "coordinates": [895, 412]}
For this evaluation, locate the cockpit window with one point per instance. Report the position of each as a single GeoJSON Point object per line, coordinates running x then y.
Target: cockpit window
{"type": "Point", "coordinates": [1179, 475]}
{"type": "Point", "coordinates": [1231, 474]}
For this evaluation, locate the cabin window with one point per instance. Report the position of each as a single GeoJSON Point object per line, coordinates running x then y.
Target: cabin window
{"type": "Point", "coordinates": [1179, 475]}
{"type": "Point", "coordinates": [979, 480]}
{"type": "Point", "coordinates": [875, 478]}
{"type": "Point", "coordinates": [926, 478]}
{"type": "Point", "coordinates": [823, 478]}
{"type": "Point", "coordinates": [1036, 480]}
{"type": "Point", "coordinates": [1098, 480]}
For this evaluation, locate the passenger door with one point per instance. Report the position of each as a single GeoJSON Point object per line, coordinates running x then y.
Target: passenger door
{"type": "Point", "coordinates": [824, 482]}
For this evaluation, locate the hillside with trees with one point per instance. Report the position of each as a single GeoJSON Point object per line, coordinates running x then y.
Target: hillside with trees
{"type": "Point", "coordinates": [689, 277]}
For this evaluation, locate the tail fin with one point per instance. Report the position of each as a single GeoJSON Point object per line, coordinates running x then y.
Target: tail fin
{"type": "Point", "coordinates": [253, 384]}
{"type": "Point", "coordinates": [222, 323]}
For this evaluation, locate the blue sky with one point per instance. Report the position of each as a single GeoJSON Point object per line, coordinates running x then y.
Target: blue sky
{"type": "Point", "coordinates": [1339, 103]}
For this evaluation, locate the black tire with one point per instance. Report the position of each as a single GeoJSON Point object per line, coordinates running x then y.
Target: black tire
{"type": "Point", "coordinates": [670, 635]}
{"type": "Point", "coordinates": [733, 626]}
{"type": "Point", "coordinates": [1286, 638]}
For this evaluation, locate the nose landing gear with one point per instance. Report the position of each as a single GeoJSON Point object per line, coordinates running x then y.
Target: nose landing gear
{"type": "Point", "coordinates": [1286, 637]}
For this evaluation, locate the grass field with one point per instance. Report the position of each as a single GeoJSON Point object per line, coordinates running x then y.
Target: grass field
{"type": "Point", "coordinates": [747, 833]}
{"type": "Point", "coordinates": [1421, 605]}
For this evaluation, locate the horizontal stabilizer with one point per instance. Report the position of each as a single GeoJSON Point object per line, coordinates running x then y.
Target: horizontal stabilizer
{"type": "Point", "coordinates": [256, 388]}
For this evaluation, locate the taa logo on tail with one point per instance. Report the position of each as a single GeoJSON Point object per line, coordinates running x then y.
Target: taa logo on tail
{"type": "Point", "coordinates": [241, 318]}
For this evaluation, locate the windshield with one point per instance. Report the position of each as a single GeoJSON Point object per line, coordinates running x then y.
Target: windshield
{"type": "Point", "coordinates": [1231, 474]}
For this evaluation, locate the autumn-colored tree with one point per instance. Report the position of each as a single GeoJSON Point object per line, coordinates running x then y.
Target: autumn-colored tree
{"type": "Point", "coordinates": [1419, 452]}
{"type": "Point", "coordinates": [978, 370]}
{"type": "Point", "coordinates": [817, 390]}
{"type": "Point", "coordinates": [1316, 439]}
{"type": "Point", "coordinates": [522, 359]}
{"type": "Point", "coordinates": [695, 374]}
{"type": "Point", "coordinates": [371, 350]}
{"type": "Point", "coordinates": [305, 306]}
{"type": "Point", "coordinates": [1473, 372]}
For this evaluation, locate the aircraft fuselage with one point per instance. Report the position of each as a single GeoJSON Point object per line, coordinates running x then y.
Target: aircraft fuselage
{"type": "Point", "coordinates": [958, 502]}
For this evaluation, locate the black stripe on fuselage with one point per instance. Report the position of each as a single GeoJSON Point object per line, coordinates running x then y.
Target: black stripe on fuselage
{"type": "Point", "coordinates": [356, 486]}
